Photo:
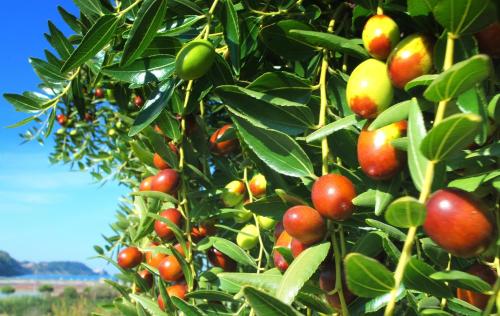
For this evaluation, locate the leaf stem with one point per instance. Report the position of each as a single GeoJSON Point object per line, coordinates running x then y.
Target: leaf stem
{"type": "Point", "coordinates": [338, 272]}
{"type": "Point", "coordinates": [127, 9]}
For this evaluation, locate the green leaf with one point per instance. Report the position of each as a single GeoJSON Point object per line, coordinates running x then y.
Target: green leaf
{"type": "Point", "coordinates": [232, 251]}
{"type": "Point", "coordinates": [283, 85]}
{"type": "Point", "coordinates": [229, 20]}
{"type": "Point", "coordinates": [370, 244]}
{"type": "Point", "coordinates": [48, 72]}
{"type": "Point", "coordinates": [148, 304]}
{"type": "Point", "coordinates": [94, 41]}
{"type": "Point", "coordinates": [280, 152]}
{"type": "Point", "coordinates": [406, 212]}
{"type": "Point", "coordinates": [186, 308]}
{"type": "Point", "coordinates": [210, 295]}
{"type": "Point", "coordinates": [385, 192]}
{"type": "Point", "coordinates": [147, 22]}
{"type": "Point", "coordinates": [450, 136]}
{"type": "Point", "coordinates": [434, 312]}
{"type": "Point", "coordinates": [459, 78]}
{"type": "Point", "coordinates": [462, 307]}
{"type": "Point", "coordinates": [397, 112]}
{"type": "Point", "coordinates": [232, 282]}
{"type": "Point", "coordinates": [179, 28]}
{"type": "Point", "coordinates": [144, 70]}
{"type": "Point", "coordinates": [156, 195]}
{"type": "Point", "coordinates": [462, 280]}
{"type": "Point", "coordinates": [366, 277]}
{"type": "Point", "coordinates": [416, 277]}
{"type": "Point", "coordinates": [144, 155]}
{"type": "Point", "coordinates": [333, 127]}
{"type": "Point", "coordinates": [59, 41]}
{"type": "Point", "coordinates": [295, 276]}
{"type": "Point", "coordinates": [70, 19]}
{"type": "Point", "coordinates": [22, 103]}
{"type": "Point", "coordinates": [390, 230]}
{"type": "Point", "coordinates": [153, 107]}
{"type": "Point", "coordinates": [264, 304]}
{"type": "Point", "coordinates": [464, 16]}
{"type": "Point", "coordinates": [417, 163]}
{"type": "Point", "coordinates": [277, 38]}
{"type": "Point", "coordinates": [331, 42]}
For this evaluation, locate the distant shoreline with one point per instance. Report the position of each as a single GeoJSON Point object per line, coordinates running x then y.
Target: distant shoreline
{"type": "Point", "coordinates": [30, 286]}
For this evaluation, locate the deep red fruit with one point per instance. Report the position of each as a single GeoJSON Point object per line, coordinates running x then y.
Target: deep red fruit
{"type": "Point", "coordinates": [161, 304]}
{"type": "Point", "coordinates": [378, 158]}
{"type": "Point", "coordinates": [327, 284]}
{"type": "Point", "coordinates": [218, 259]}
{"type": "Point", "coordinates": [178, 290]}
{"type": "Point", "coordinates": [284, 240]}
{"type": "Point", "coordinates": [478, 299]}
{"type": "Point", "coordinates": [458, 223]}
{"type": "Point", "coordinates": [146, 184]}
{"type": "Point", "coordinates": [297, 247]}
{"type": "Point", "coordinates": [170, 269]}
{"type": "Point", "coordinates": [62, 119]}
{"type": "Point", "coordinates": [224, 147]}
{"type": "Point", "coordinates": [138, 101]}
{"type": "Point", "coordinates": [159, 162]}
{"type": "Point", "coordinates": [89, 117]}
{"type": "Point", "coordinates": [162, 229]}
{"type": "Point", "coordinates": [203, 230]}
{"type": "Point", "coordinates": [129, 258]}
{"type": "Point", "coordinates": [489, 39]}
{"type": "Point", "coordinates": [332, 196]}
{"type": "Point", "coordinates": [99, 93]}
{"type": "Point", "coordinates": [304, 223]}
{"type": "Point", "coordinates": [278, 229]}
{"type": "Point", "coordinates": [147, 277]}
{"type": "Point", "coordinates": [165, 181]}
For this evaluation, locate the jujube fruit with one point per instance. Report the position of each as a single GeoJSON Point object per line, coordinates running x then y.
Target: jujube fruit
{"type": "Point", "coordinates": [284, 240]}
{"type": "Point", "coordinates": [178, 290]}
{"type": "Point", "coordinates": [99, 93]}
{"type": "Point", "coordinates": [138, 101]}
{"type": "Point", "coordinates": [146, 184]}
{"type": "Point", "coordinates": [234, 193]}
{"type": "Point", "coordinates": [265, 222]}
{"type": "Point", "coordinates": [332, 196]}
{"type": "Point", "coordinates": [203, 230]}
{"type": "Point", "coordinates": [410, 59]}
{"type": "Point", "coordinates": [297, 247]}
{"type": "Point", "coordinates": [380, 35]}
{"type": "Point", "coordinates": [218, 259]}
{"type": "Point", "coordinates": [248, 237]}
{"type": "Point", "coordinates": [378, 158]}
{"type": "Point", "coordinates": [165, 181]}
{"type": "Point", "coordinates": [62, 119]}
{"type": "Point", "coordinates": [162, 229]}
{"type": "Point", "coordinates": [154, 258]}
{"type": "Point", "coordinates": [304, 223]}
{"type": "Point", "coordinates": [278, 229]}
{"type": "Point", "coordinates": [170, 269]}
{"type": "Point", "coordinates": [223, 147]}
{"type": "Point", "coordinates": [479, 300]}
{"type": "Point", "coordinates": [159, 162]}
{"type": "Point", "coordinates": [258, 185]}
{"type": "Point", "coordinates": [369, 90]}
{"type": "Point", "coordinates": [458, 223]}
{"type": "Point", "coordinates": [147, 277]}
{"type": "Point", "coordinates": [488, 39]}
{"type": "Point", "coordinates": [129, 258]}
{"type": "Point", "coordinates": [327, 283]}
{"type": "Point", "coordinates": [194, 59]}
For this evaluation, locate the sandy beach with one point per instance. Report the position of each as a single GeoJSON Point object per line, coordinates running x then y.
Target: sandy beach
{"type": "Point", "coordinates": [31, 286]}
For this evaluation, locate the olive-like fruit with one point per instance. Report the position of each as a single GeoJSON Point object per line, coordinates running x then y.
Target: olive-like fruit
{"type": "Point", "coordinates": [234, 193]}
{"type": "Point", "coordinates": [146, 184]}
{"type": "Point", "coordinates": [129, 258]}
{"type": "Point", "coordinates": [258, 185]}
{"type": "Point", "coordinates": [99, 93]}
{"type": "Point", "coordinates": [218, 259]}
{"type": "Point", "coordinates": [380, 35]}
{"type": "Point", "coordinates": [111, 132]}
{"type": "Point", "coordinates": [159, 162]}
{"type": "Point", "coordinates": [242, 216]}
{"type": "Point", "coordinates": [332, 196]}
{"type": "Point", "coordinates": [488, 39]}
{"type": "Point", "coordinates": [138, 101]}
{"type": "Point", "coordinates": [62, 119]}
{"type": "Point", "coordinates": [369, 90]}
{"type": "Point", "coordinates": [170, 269]}
{"type": "Point", "coordinates": [410, 59]}
{"type": "Point", "coordinates": [147, 277]}
{"type": "Point", "coordinates": [110, 96]}
{"type": "Point", "coordinates": [327, 283]}
{"type": "Point", "coordinates": [378, 158]}
{"type": "Point", "coordinates": [223, 147]}
{"type": "Point", "coordinates": [248, 237]}
{"type": "Point", "coordinates": [458, 222]}
{"type": "Point", "coordinates": [165, 181]}
{"type": "Point", "coordinates": [162, 229]}
{"type": "Point", "coordinates": [479, 300]}
{"type": "Point", "coordinates": [266, 223]}
{"type": "Point", "coordinates": [73, 132]}
{"type": "Point", "coordinates": [154, 258]}
{"type": "Point", "coordinates": [194, 59]}
{"type": "Point", "coordinates": [178, 290]}
{"type": "Point", "coordinates": [304, 223]}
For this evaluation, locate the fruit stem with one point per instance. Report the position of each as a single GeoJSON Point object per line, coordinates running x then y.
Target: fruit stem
{"type": "Point", "coordinates": [424, 193]}
{"type": "Point", "coordinates": [127, 9]}
{"type": "Point", "coordinates": [338, 272]}
{"type": "Point", "coordinates": [206, 30]}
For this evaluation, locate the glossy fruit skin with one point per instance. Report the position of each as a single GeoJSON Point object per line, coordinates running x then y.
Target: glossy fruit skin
{"type": "Point", "coordinates": [266, 223]}
{"type": "Point", "coordinates": [218, 259]}
{"type": "Point", "coordinates": [247, 238]}
{"type": "Point", "coordinates": [138, 101]}
{"type": "Point", "coordinates": [304, 223]}
{"type": "Point", "coordinates": [410, 59]}
{"type": "Point", "coordinates": [159, 162]}
{"type": "Point", "coordinates": [129, 258]}
{"type": "Point", "coordinates": [62, 119]}
{"type": "Point", "coordinates": [258, 185]}
{"type": "Point", "coordinates": [479, 300]}
{"type": "Point", "coordinates": [488, 39]}
{"type": "Point", "coordinates": [178, 290]}
{"type": "Point", "coordinates": [194, 59]}
{"type": "Point", "coordinates": [380, 35]}
{"type": "Point", "coordinates": [147, 277]}
{"type": "Point", "coordinates": [203, 230]}
{"type": "Point", "coordinates": [161, 304]}
{"type": "Point", "coordinates": [369, 90]}
{"type": "Point", "coordinates": [154, 259]}
{"type": "Point", "coordinates": [332, 196]}
{"type": "Point", "coordinates": [146, 184]}
{"type": "Point", "coordinates": [378, 158]}
{"type": "Point", "coordinates": [225, 147]}
{"type": "Point", "coordinates": [278, 229]}
{"type": "Point", "coordinates": [284, 240]}
{"type": "Point", "coordinates": [297, 247]}
{"type": "Point", "coordinates": [165, 181]}
{"type": "Point", "coordinates": [170, 269]}
{"type": "Point", "coordinates": [234, 193]}
{"type": "Point", "coordinates": [458, 223]}
{"type": "Point", "coordinates": [327, 284]}
{"type": "Point", "coordinates": [161, 228]}
{"type": "Point", "coordinates": [99, 93]}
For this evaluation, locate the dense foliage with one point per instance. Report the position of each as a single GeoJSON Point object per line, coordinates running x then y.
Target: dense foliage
{"type": "Point", "coordinates": [285, 157]}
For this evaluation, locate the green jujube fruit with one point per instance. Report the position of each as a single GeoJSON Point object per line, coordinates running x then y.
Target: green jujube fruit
{"type": "Point", "coordinates": [194, 59]}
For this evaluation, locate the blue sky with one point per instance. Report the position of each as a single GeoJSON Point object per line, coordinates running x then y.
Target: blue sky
{"type": "Point", "coordinates": [46, 211]}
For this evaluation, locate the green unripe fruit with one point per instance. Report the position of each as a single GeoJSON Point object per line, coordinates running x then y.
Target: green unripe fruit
{"type": "Point", "coordinates": [248, 237]}
{"type": "Point", "coordinates": [369, 90]}
{"type": "Point", "coordinates": [112, 132]}
{"type": "Point", "coordinates": [266, 223]}
{"type": "Point", "coordinates": [110, 95]}
{"type": "Point", "coordinates": [194, 59]}
{"type": "Point", "coordinates": [242, 216]}
{"type": "Point", "coordinates": [380, 35]}
{"type": "Point", "coordinates": [119, 124]}
{"type": "Point", "coordinates": [73, 132]}
{"type": "Point", "coordinates": [234, 193]}
{"type": "Point", "coordinates": [61, 131]}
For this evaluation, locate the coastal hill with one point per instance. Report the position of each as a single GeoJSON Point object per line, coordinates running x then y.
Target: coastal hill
{"type": "Point", "coordinates": [11, 267]}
